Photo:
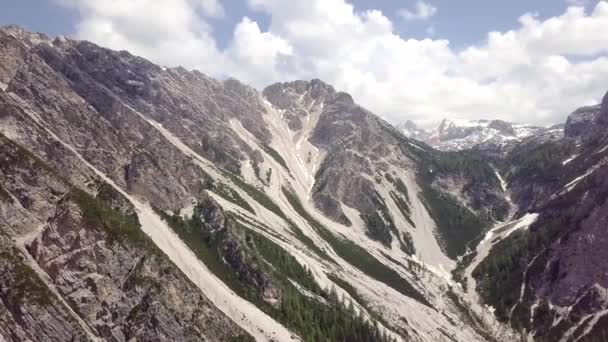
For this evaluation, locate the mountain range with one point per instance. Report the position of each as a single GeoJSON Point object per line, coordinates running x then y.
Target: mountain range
{"type": "Point", "coordinates": [457, 135]}
{"type": "Point", "coordinates": [146, 203]}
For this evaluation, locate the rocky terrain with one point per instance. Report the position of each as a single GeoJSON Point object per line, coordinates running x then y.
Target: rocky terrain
{"type": "Point", "coordinates": [494, 136]}
{"type": "Point", "coordinates": [144, 203]}
{"type": "Point", "coordinates": [549, 278]}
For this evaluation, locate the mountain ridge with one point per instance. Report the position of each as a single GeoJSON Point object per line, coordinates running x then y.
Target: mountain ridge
{"type": "Point", "coordinates": [456, 135]}
{"type": "Point", "coordinates": [267, 209]}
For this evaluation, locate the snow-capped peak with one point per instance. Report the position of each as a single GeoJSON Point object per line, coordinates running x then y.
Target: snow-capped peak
{"type": "Point", "coordinates": [460, 134]}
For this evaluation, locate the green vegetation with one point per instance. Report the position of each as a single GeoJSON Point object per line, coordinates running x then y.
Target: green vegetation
{"type": "Point", "coordinates": [263, 199]}
{"type": "Point", "coordinates": [106, 193]}
{"type": "Point", "coordinates": [251, 222]}
{"type": "Point", "coordinates": [357, 256]}
{"type": "Point", "coordinates": [504, 271]}
{"type": "Point", "coordinates": [241, 338]}
{"type": "Point", "coordinates": [403, 203]}
{"type": "Point", "coordinates": [399, 185]}
{"type": "Point", "coordinates": [407, 243]}
{"type": "Point", "coordinates": [331, 321]}
{"type": "Point", "coordinates": [118, 225]}
{"type": "Point", "coordinates": [379, 223]}
{"type": "Point", "coordinates": [346, 286]}
{"type": "Point", "coordinates": [258, 195]}
{"type": "Point", "coordinates": [283, 263]}
{"type": "Point", "coordinates": [256, 170]}
{"type": "Point", "coordinates": [206, 247]}
{"type": "Point", "coordinates": [316, 320]}
{"type": "Point", "coordinates": [276, 156]}
{"type": "Point", "coordinates": [313, 320]}
{"type": "Point", "coordinates": [543, 162]}
{"type": "Point", "coordinates": [464, 163]}
{"type": "Point", "coordinates": [456, 224]}
{"type": "Point", "coordinates": [501, 274]}
{"type": "Point", "coordinates": [231, 195]}
{"type": "Point", "coordinates": [311, 245]}
{"type": "Point", "coordinates": [24, 283]}
{"type": "Point", "coordinates": [403, 208]}
{"type": "Point", "coordinates": [376, 228]}
{"type": "Point", "coordinates": [463, 264]}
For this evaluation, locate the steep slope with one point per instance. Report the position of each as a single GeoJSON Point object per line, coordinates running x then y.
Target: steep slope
{"type": "Point", "coordinates": [549, 278]}
{"type": "Point", "coordinates": [264, 212]}
{"type": "Point", "coordinates": [85, 256]}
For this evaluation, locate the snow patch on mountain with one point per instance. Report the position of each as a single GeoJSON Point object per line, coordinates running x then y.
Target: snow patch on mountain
{"type": "Point", "coordinates": [565, 162]}
{"type": "Point", "coordinates": [492, 237]}
{"type": "Point", "coordinates": [458, 134]}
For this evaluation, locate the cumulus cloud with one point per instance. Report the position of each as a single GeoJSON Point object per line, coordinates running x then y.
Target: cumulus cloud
{"type": "Point", "coordinates": [173, 32]}
{"type": "Point", "coordinates": [537, 73]}
{"type": "Point", "coordinates": [422, 11]}
{"type": "Point", "coordinates": [578, 2]}
{"type": "Point", "coordinates": [255, 55]}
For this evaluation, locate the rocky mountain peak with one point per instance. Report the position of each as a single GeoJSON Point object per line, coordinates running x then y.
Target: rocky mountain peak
{"type": "Point", "coordinates": [30, 39]}
{"type": "Point", "coordinates": [411, 130]}
{"type": "Point", "coordinates": [457, 134]}
{"type": "Point", "coordinates": [502, 127]}
{"type": "Point", "coordinates": [281, 94]}
{"type": "Point", "coordinates": [298, 99]}
{"type": "Point", "coordinates": [344, 98]}
{"type": "Point", "coordinates": [581, 121]}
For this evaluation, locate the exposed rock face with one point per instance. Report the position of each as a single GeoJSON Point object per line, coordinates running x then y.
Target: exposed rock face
{"type": "Point", "coordinates": [558, 262]}
{"type": "Point", "coordinates": [411, 130]}
{"type": "Point", "coordinates": [361, 149]}
{"type": "Point", "coordinates": [15, 43]}
{"type": "Point", "coordinates": [294, 107]}
{"type": "Point", "coordinates": [28, 310]}
{"type": "Point", "coordinates": [142, 203]}
{"type": "Point", "coordinates": [124, 291]}
{"type": "Point", "coordinates": [113, 280]}
{"type": "Point", "coordinates": [580, 122]}
{"type": "Point", "coordinates": [234, 247]}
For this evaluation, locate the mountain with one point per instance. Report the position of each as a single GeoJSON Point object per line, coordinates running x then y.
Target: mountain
{"type": "Point", "coordinates": [550, 278]}
{"type": "Point", "coordinates": [457, 135]}
{"type": "Point", "coordinates": [411, 130]}
{"type": "Point", "coordinates": [148, 203]}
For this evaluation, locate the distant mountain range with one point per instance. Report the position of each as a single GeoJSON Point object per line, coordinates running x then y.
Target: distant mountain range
{"type": "Point", "coordinates": [457, 135]}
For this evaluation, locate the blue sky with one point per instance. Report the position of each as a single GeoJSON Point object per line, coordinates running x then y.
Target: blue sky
{"type": "Point", "coordinates": [463, 22]}
{"type": "Point", "coordinates": [524, 61]}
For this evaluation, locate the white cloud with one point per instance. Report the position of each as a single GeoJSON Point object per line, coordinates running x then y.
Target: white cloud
{"type": "Point", "coordinates": [536, 73]}
{"type": "Point", "coordinates": [168, 32]}
{"type": "Point", "coordinates": [578, 2]}
{"type": "Point", "coordinates": [256, 55]}
{"type": "Point", "coordinates": [422, 11]}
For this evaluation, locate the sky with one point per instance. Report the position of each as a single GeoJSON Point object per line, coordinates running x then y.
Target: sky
{"type": "Point", "coordinates": [421, 60]}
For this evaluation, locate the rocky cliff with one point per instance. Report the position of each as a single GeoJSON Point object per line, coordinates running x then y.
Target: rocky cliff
{"type": "Point", "coordinates": [138, 202]}
{"type": "Point", "coordinates": [549, 278]}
